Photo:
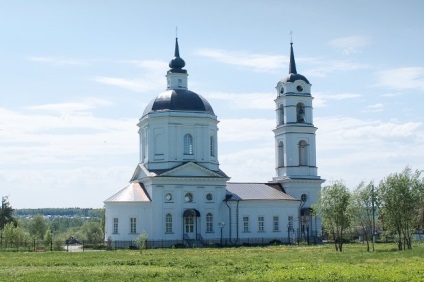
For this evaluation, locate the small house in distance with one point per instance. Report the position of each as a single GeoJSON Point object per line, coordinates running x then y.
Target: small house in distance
{"type": "Point", "coordinates": [179, 195]}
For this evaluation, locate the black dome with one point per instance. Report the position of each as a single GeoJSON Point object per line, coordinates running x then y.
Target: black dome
{"type": "Point", "coordinates": [179, 100]}
{"type": "Point", "coordinates": [292, 77]}
{"type": "Point", "coordinates": [176, 63]}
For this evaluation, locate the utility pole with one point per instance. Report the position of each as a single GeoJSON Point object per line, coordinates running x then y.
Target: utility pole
{"type": "Point", "coordinates": [373, 218]}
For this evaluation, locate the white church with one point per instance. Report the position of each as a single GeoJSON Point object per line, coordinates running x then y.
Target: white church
{"type": "Point", "coordinates": [179, 195]}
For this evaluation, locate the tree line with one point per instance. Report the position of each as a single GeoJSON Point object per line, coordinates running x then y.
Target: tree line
{"type": "Point", "coordinates": [46, 226]}
{"type": "Point", "coordinates": [393, 209]}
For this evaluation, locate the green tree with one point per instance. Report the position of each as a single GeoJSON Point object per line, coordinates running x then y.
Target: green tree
{"type": "Point", "coordinates": [6, 213]}
{"type": "Point", "coordinates": [93, 232]}
{"type": "Point", "coordinates": [141, 241]}
{"type": "Point", "coordinates": [13, 235]}
{"type": "Point", "coordinates": [401, 195]}
{"type": "Point", "coordinates": [38, 227]}
{"type": "Point", "coordinates": [363, 201]}
{"type": "Point", "coordinates": [333, 207]}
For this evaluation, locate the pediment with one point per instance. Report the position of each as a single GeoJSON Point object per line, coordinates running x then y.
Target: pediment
{"type": "Point", "coordinates": [141, 172]}
{"type": "Point", "coordinates": [190, 169]}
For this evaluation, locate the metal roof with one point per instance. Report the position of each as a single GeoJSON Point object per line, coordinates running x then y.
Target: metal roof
{"type": "Point", "coordinates": [134, 192]}
{"type": "Point", "coordinates": [179, 100]}
{"type": "Point", "coordinates": [256, 191]}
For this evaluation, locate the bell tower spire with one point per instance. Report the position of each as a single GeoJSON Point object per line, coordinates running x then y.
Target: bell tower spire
{"type": "Point", "coordinates": [292, 67]}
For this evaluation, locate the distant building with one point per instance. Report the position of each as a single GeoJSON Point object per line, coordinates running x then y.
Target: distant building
{"type": "Point", "coordinates": [179, 193]}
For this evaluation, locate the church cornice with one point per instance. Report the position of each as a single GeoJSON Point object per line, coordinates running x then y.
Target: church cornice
{"type": "Point", "coordinates": [297, 180]}
{"type": "Point", "coordinates": [294, 94]}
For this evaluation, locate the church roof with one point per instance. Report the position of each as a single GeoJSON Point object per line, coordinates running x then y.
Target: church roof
{"type": "Point", "coordinates": [256, 191]}
{"type": "Point", "coordinates": [179, 100]}
{"type": "Point", "coordinates": [293, 75]}
{"type": "Point", "coordinates": [134, 192]}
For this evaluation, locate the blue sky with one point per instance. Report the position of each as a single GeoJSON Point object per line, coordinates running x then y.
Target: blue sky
{"type": "Point", "coordinates": [75, 77]}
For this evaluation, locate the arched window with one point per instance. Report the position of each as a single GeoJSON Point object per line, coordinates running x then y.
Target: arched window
{"type": "Point", "coordinates": [303, 153]}
{"type": "Point", "coordinates": [188, 144]}
{"type": "Point", "coordinates": [212, 146]}
{"type": "Point", "coordinates": [168, 223]}
{"type": "Point", "coordinates": [281, 114]}
{"type": "Point", "coordinates": [209, 222]}
{"type": "Point", "coordinates": [300, 112]}
{"type": "Point", "coordinates": [280, 154]}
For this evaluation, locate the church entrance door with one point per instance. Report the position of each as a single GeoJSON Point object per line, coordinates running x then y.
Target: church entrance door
{"type": "Point", "coordinates": [189, 226]}
{"type": "Point", "coordinates": [190, 223]}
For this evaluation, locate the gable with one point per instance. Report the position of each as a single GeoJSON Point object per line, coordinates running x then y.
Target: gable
{"type": "Point", "coordinates": [140, 173]}
{"type": "Point", "coordinates": [190, 169]}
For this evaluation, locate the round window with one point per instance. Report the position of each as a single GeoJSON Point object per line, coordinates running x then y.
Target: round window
{"type": "Point", "coordinates": [188, 197]}
{"type": "Point", "coordinates": [168, 197]}
{"type": "Point", "coordinates": [299, 88]}
{"type": "Point", "coordinates": [303, 198]}
{"type": "Point", "coordinates": [209, 197]}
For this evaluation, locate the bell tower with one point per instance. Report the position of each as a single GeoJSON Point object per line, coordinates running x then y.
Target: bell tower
{"type": "Point", "coordinates": [295, 146]}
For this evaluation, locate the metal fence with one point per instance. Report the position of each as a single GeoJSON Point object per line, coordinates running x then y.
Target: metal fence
{"type": "Point", "coordinates": [199, 242]}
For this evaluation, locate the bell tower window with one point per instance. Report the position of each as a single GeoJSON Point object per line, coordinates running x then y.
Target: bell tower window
{"type": "Point", "coordinates": [188, 144]}
{"type": "Point", "coordinates": [300, 112]}
{"type": "Point", "coordinates": [280, 154]}
{"type": "Point", "coordinates": [281, 114]}
{"type": "Point", "coordinates": [303, 153]}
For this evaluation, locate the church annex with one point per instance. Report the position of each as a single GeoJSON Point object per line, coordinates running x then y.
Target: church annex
{"type": "Point", "coordinates": [178, 194]}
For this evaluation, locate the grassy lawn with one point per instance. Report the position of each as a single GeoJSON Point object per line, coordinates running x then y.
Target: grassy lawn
{"type": "Point", "coordinates": [274, 263]}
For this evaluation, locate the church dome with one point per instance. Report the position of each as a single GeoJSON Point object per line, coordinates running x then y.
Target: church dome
{"type": "Point", "coordinates": [179, 100]}
{"type": "Point", "coordinates": [292, 77]}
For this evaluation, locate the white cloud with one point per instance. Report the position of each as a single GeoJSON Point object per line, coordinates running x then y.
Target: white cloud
{"type": "Point", "coordinates": [410, 78]}
{"type": "Point", "coordinates": [263, 101]}
{"type": "Point", "coordinates": [60, 61]}
{"type": "Point", "coordinates": [86, 104]}
{"type": "Point", "coordinates": [245, 129]}
{"type": "Point", "coordinates": [375, 107]}
{"type": "Point", "coordinates": [137, 85]}
{"type": "Point", "coordinates": [350, 44]}
{"type": "Point", "coordinates": [325, 67]}
{"type": "Point", "coordinates": [258, 62]}
{"type": "Point", "coordinates": [156, 66]}
{"type": "Point", "coordinates": [321, 98]}
{"type": "Point", "coordinates": [39, 138]}
{"type": "Point", "coordinates": [355, 149]}
{"type": "Point", "coordinates": [150, 80]}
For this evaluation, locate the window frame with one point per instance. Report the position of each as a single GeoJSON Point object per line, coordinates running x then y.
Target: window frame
{"type": "Point", "coordinates": [261, 223]}
{"type": "Point", "coordinates": [188, 144]}
{"type": "Point", "coordinates": [209, 223]}
{"type": "Point", "coordinates": [275, 223]}
{"type": "Point", "coordinates": [133, 225]}
{"type": "Point", "coordinates": [115, 225]}
{"type": "Point", "coordinates": [168, 223]}
{"type": "Point", "coordinates": [246, 224]}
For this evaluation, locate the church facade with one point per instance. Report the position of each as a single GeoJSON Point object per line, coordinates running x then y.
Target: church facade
{"type": "Point", "coordinates": [178, 192]}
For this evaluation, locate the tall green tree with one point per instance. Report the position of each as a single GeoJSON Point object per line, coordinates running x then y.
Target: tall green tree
{"type": "Point", "coordinates": [333, 207]}
{"type": "Point", "coordinates": [38, 227]}
{"type": "Point", "coordinates": [6, 213]}
{"type": "Point", "coordinates": [401, 196]}
{"type": "Point", "coordinates": [363, 205]}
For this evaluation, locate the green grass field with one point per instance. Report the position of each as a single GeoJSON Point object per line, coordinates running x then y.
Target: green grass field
{"type": "Point", "coordinates": [274, 263]}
